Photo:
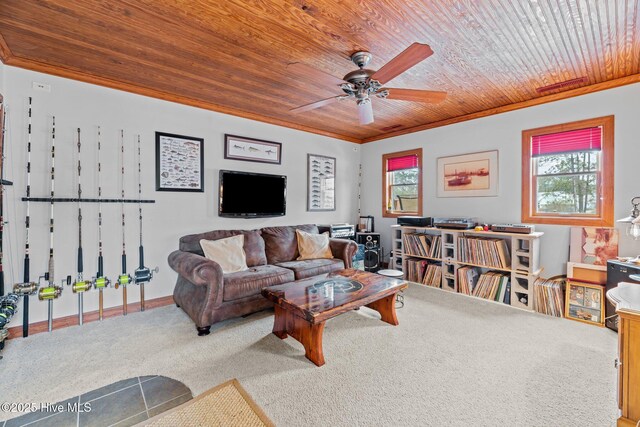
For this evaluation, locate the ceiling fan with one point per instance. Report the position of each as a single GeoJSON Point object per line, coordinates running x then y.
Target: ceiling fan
{"type": "Point", "coordinates": [363, 84]}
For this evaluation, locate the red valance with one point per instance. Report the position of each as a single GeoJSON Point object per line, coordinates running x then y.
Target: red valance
{"type": "Point", "coordinates": [400, 163]}
{"type": "Point", "coordinates": [589, 139]}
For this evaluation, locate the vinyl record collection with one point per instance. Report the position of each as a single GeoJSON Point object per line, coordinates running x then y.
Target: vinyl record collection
{"type": "Point", "coordinates": [549, 297]}
{"type": "Point", "coordinates": [421, 244]}
{"type": "Point", "coordinates": [484, 251]}
{"type": "Point", "coordinates": [423, 272]}
{"type": "Point", "coordinates": [47, 286]}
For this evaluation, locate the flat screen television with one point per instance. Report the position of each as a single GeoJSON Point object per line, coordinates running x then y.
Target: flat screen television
{"type": "Point", "coordinates": [252, 195]}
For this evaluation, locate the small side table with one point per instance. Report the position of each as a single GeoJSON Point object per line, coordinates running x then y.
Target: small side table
{"type": "Point", "coordinates": [395, 274]}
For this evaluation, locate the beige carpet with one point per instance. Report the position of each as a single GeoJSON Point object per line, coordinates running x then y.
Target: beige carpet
{"type": "Point", "coordinates": [227, 405]}
{"type": "Point", "coordinates": [453, 360]}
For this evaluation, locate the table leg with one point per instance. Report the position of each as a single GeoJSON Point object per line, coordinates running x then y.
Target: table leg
{"type": "Point", "coordinates": [311, 339]}
{"type": "Point", "coordinates": [280, 322]}
{"type": "Point", "coordinates": [387, 309]}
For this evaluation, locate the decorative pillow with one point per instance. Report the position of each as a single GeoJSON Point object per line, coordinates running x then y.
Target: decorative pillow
{"type": "Point", "coordinates": [313, 246]}
{"type": "Point", "coordinates": [227, 252]}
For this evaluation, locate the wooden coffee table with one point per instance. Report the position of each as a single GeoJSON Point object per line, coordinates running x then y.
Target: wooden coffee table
{"type": "Point", "coordinates": [303, 306]}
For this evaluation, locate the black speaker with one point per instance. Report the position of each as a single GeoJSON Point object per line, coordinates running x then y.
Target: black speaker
{"type": "Point", "coordinates": [369, 240]}
{"type": "Point", "coordinates": [372, 259]}
{"type": "Point", "coordinates": [372, 250]}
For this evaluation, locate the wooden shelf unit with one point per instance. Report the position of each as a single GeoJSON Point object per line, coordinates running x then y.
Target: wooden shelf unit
{"type": "Point", "coordinates": [395, 262]}
{"type": "Point", "coordinates": [524, 250]}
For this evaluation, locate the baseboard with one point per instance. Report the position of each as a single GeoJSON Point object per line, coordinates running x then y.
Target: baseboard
{"type": "Point", "coordinates": [90, 316]}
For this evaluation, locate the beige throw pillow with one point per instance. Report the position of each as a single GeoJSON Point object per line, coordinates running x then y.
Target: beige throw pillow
{"type": "Point", "coordinates": [313, 246]}
{"type": "Point", "coordinates": [227, 252]}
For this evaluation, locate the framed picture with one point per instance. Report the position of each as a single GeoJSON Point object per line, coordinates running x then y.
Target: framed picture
{"type": "Point", "coordinates": [321, 182]}
{"type": "Point", "coordinates": [252, 150]}
{"type": "Point", "coordinates": [585, 302]}
{"type": "Point", "coordinates": [593, 245]}
{"type": "Point", "coordinates": [179, 163]}
{"type": "Point", "coordinates": [468, 175]}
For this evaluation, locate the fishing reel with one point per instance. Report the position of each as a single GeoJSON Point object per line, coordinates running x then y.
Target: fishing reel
{"type": "Point", "coordinates": [144, 275]}
{"type": "Point", "coordinates": [8, 307]}
{"type": "Point", "coordinates": [28, 288]}
{"type": "Point", "coordinates": [101, 282]}
{"type": "Point", "coordinates": [123, 280]}
{"type": "Point", "coordinates": [51, 291]}
{"type": "Point", "coordinates": [79, 286]}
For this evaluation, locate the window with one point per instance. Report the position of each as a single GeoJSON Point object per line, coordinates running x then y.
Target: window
{"type": "Point", "coordinates": [402, 183]}
{"type": "Point", "coordinates": [567, 173]}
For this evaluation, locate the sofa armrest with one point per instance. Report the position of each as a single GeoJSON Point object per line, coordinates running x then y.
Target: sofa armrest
{"type": "Point", "coordinates": [343, 249]}
{"type": "Point", "coordinates": [196, 268]}
{"type": "Point", "coordinates": [199, 287]}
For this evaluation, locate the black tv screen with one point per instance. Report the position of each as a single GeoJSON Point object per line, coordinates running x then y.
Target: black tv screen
{"type": "Point", "coordinates": [245, 194]}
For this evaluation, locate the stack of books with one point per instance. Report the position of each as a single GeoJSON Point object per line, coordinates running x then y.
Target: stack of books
{"type": "Point", "coordinates": [549, 297]}
{"type": "Point", "coordinates": [424, 245]}
{"type": "Point", "coordinates": [432, 275]}
{"type": "Point", "coordinates": [484, 251]}
{"type": "Point", "coordinates": [467, 279]}
{"type": "Point", "coordinates": [493, 286]}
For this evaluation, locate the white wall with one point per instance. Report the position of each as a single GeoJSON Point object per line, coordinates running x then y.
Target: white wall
{"type": "Point", "coordinates": [503, 132]}
{"type": "Point", "coordinates": [77, 104]}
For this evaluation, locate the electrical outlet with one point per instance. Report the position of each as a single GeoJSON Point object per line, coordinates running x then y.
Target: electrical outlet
{"type": "Point", "coordinates": [42, 86]}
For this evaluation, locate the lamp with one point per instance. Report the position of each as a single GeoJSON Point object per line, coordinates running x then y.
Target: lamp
{"type": "Point", "coordinates": [633, 229]}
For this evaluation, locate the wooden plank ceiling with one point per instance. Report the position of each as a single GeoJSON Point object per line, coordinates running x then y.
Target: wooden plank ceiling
{"type": "Point", "coordinates": [232, 55]}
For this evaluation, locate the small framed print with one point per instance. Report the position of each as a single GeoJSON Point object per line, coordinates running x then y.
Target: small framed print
{"type": "Point", "coordinates": [585, 302]}
{"type": "Point", "coordinates": [252, 150]}
{"type": "Point", "coordinates": [321, 182]}
{"type": "Point", "coordinates": [179, 163]}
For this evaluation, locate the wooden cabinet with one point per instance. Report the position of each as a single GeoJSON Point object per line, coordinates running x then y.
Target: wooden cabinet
{"type": "Point", "coordinates": [626, 298]}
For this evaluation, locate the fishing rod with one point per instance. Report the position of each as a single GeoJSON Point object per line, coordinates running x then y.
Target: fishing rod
{"type": "Point", "coordinates": [100, 281]}
{"type": "Point", "coordinates": [80, 286]}
{"type": "Point", "coordinates": [2, 184]}
{"type": "Point", "coordinates": [27, 287]}
{"type": "Point", "coordinates": [124, 278]}
{"type": "Point", "coordinates": [142, 274]}
{"type": "Point", "coordinates": [51, 291]}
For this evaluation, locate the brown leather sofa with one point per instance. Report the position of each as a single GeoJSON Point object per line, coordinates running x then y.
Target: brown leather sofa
{"type": "Point", "coordinates": [209, 296]}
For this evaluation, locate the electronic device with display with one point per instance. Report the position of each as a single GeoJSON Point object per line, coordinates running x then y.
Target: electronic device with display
{"type": "Point", "coordinates": [252, 195]}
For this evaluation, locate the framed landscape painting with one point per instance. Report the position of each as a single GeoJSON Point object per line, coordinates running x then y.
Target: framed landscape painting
{"type": "Point", "coordinates": [321, 182]}
{"type": "Point", "coordinates": [468, 175]}
{"type": "Point", "coordinates": [179, 163]}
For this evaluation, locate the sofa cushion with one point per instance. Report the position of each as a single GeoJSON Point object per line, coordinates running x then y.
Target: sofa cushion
{"type": "Point", "coordinates": [312, 246]}
{"type": "Point", "coordinates": [312, 267]}
{"type": "Point", "coordinates": [254, 248]}
{"type": "Point", "coordinates": [250, 282]}
{"type": "Point", "coordinates": [227, 252]}
{"type": "Point", "coordinates": [281, 244]}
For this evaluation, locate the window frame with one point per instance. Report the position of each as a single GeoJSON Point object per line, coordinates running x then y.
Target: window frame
{"type": "Point", "coordinates": [386, 186]}
{"type": "Point", "coordinates": [605, 177]}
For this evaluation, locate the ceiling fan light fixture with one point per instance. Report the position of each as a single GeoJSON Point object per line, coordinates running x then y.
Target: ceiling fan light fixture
{"type": "Point", "coordinates": [365, 111]}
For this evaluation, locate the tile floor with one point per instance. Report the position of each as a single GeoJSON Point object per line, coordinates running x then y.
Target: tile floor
{"type": "Point", "coordinates": [120, 404]}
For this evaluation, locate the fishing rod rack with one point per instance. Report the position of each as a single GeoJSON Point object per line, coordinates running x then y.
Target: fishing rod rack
{"type": "Point", "coordinates": [82, 200]}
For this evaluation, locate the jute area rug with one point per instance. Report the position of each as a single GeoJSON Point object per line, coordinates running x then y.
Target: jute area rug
{"type": "Point", "coordinates": [225, 405]}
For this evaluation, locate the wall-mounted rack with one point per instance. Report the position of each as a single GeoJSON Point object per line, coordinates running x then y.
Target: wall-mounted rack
{"type": "Point", "coordinates": [77, 200]}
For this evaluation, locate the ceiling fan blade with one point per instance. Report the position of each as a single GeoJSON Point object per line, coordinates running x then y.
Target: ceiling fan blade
{"type": "Point", "coordinates": [416, 95]}
{"type": "Point", "coordinates": [406, 59]}
{"type": "Point", "coordinates": [315, 105]}
{"type": "Point", "coordinates": [320, 76]}
{"type": "Point", "coordinates": [365, 112]}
